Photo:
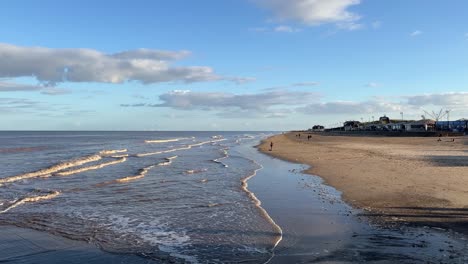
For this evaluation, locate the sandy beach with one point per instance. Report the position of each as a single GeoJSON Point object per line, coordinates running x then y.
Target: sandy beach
{"type": "Point", "coordinates": [396, 179]}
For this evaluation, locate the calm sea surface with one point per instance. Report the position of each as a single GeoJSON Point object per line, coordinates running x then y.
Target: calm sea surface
{"type": "Point", "coordinates": [161, 195]}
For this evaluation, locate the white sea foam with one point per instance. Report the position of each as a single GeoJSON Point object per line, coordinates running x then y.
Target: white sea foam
{"type": "Point", "coordinates": [225, 155]}
{"type": "Point", "coordinates": [157, 141]}
{"type": "Point", "coordinates": [177, 149]}
{"type": "Point", "coordinates": [119, 156]}
{"type": "Point", "coordinates": [53, 169]}
{"type": "Point", "coordinates": [195, 171]}
{"type": "Point", "coordinates": [110, 152]}
{"type": "Point", "coordinates": [141, 174]}
{"type": "Point", "coordinates": [94, 167]}
{"type": "Point", "coordinates": [258, 203]}
{"type": "Point", "coordinates": [61, 168]}
{"type": "Point", "coordinates": [168, 161]}
{"type": "Point", "coordinates": [19, 202]}
{"type": "Point", "coordinates": [155, 233]}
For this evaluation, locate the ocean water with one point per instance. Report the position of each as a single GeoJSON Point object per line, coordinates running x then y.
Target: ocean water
{"type": "Point", "coordinates": [179, 196]}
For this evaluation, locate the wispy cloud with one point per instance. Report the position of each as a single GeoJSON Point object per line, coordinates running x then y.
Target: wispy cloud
{"type": "Point", "coordinates": [299, 84]}
{"type": "Point", "coordinates": [44, 89]}
{"type": "Point", "coordinates": [285, 87]}
{"type": "Point", "coordinates": [55, 91]}
{"type": "Point", "coordinates": [147, 66]}
{"type": "Point", "coordinates": [314, 12]}
{"type": "Point", "coordinates": [416, 33]}
{"type": "Point", "coordinates": [286, 29]}
{"type": "Point", "coordinates": [350, 107]}
{"type": "Point", "coordinates": [376, 24]}
{"type": "Point", "coordinates": [15, 87]}
{"type": "Point", "coordinates": [373, 84]}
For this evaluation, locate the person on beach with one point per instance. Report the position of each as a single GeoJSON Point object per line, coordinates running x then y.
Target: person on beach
{"type": "Point", "coordinates": [271, 145]}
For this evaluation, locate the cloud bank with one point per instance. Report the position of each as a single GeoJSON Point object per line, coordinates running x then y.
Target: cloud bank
{"type": "Point", "coordinates": [281, 104]}
{"type": "Point", "coordinates": [147, 66]}
{"type": "Point", "coordinates": [273, 104]}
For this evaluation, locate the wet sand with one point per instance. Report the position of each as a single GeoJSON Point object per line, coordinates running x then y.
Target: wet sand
{"type": "Point", "coordinates": [418, 181]}
{"type": "Point", "coordinates": [21, 245]}
{"type": "Point", "coordinates": [319, 227]}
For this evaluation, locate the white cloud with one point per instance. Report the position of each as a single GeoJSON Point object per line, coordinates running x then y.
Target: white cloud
{"type": "Point", "coordinates": [416, 33]}
{"type": "Point", "coordinates": [451, 100]}
{"type": "Point", "coordinates": [272, 104]}
{"type": "Point", "coordinates": [286, 29]}
{"type": "Point", "coordinates": [148, 54]}
{"type": "Point", "coordinates": [281, 104]}
{"type": "Point", "coordinates": [409, 104]}
{"type": "Point", "coordinates": [314, 12]}
{"type": "Point", "coordinates": [87, 65]}
{"type": "Point", "coordinates": [209, 100]}
{"type": "Point", "coordinates": [348, 107]}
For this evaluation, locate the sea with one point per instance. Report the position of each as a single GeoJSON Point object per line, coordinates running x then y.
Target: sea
{"type": "Point", "coordinates": [177, 196]}
{"type": "Point", "coordinates": [195, 197]}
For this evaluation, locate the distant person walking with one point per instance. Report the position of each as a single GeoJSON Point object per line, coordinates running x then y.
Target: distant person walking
{"type": "Point", "coordinates": [271, 145]}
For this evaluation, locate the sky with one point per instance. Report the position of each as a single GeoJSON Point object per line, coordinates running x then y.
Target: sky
{"type": "Point", "coordinates": [229, 65]}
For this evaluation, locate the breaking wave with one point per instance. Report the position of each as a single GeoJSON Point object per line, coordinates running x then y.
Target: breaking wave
{"type": "Point", "coordinates": [53, 169]}
{"type": "Point", "coordinates": [60, 169]}
{"type": "Point", "coordinates": [177, 149]}
{"type": "Point", "coordinates": [19, 202]}
{"type": "Point", "coordinates": [110, 152]}
{"type": "Point", "coordinates": [141, 174]}
{"type": "Point", "coordinates": [156, 141]}
{"type": "Point", "coordinates": [94, 167]}
{"type": "Point", "coordinates": [225, 155]}
{"type": "Point", "coordinates": [168, 161]}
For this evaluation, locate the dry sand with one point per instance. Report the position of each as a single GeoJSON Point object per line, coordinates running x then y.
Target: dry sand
{"type": "Point", "coordinates": [397, 179]}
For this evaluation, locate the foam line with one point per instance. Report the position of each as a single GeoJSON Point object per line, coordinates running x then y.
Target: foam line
{"type": "Point", "coordinates": [258, 204]}
{"type": "Point", "coordinates": [141, 174]}
{"type": "Point", "coordinates": [218, 160]}
{"type": "Point", "coordinates": [94, 167]}
{"type": "Point", "coordinates": [30, 200]}
{"type": "Point", "coordinates": [177, 149]}
{"type": "Point", "coordinates": [195, 171]}
{"type": "Point", "coordinates": [58, 169]}
{"type": "Point", "coordinates": [165, 140]}
{"type": "Point", "coordinates": [110, 152]}
{"type": "Point", "coordinates": [50, 170]}
{"type": "Point", "coordinates": [168, 161]}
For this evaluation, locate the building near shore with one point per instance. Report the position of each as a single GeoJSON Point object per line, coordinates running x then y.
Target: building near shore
{"type": "Point", "coordinates": [352, 125]}
{"type": "Point", "coordinates": [460, 125]}
{"type": "Point", "coordinates": [317, 128]}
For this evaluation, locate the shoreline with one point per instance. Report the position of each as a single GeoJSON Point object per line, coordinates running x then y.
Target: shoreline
{"type": "Point", "coordinates": [27, 245]}
{"type": "Point", "coordinates": [410, 181]}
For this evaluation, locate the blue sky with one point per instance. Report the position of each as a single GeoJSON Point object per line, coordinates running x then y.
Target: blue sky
{"type": "Point", "coordinates": [228, 65]}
